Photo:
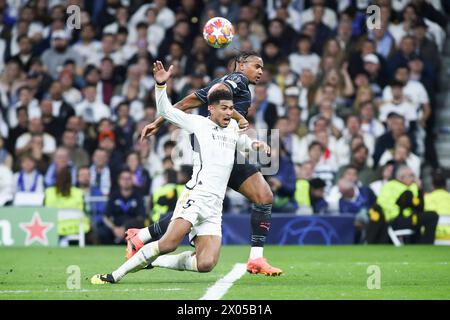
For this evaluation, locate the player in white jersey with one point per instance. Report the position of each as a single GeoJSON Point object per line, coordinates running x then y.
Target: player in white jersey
{"type": "Point", "coordinates": [199, 208]}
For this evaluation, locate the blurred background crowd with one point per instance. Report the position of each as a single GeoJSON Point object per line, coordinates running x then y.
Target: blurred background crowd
{"type": "Point", "coordinates": [352, 105]}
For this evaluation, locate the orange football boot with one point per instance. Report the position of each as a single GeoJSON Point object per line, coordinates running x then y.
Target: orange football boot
{"type": "Point", "coordinates": [260, 265]}
{"type": "Point", "coordinates": [133, 242]}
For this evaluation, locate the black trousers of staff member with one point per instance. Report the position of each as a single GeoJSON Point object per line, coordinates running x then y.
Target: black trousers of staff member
{"type": "Point", "coordinates": [423, 223]}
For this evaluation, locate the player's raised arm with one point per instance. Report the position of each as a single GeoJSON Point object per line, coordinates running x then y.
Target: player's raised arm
{"type": "Point", "coordinates": [163, 105]}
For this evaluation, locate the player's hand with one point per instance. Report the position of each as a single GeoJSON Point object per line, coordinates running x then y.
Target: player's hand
{"type": "Point", "coordinates": [261, 146]}
{"type": "Point", "coordinates": [159, 73]}
{"type": "Point", "coordinates": [151, 129]}
{"type": "Point", "coordinates": [243, 124]}
{"type": "Point", "coordinates": [119, 232]}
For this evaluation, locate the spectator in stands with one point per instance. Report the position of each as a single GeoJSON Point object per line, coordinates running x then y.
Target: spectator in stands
{"type": "Point", "coordinates": [399, 105]}
{"type": "Point", "coordinates": [78, 155]}
{"type": "Point", "coordinates": [306, 84]}
{"type": "Point", "coordinates": [402, 154]}
{"type": "Point", "coordinates": [283, 182]}
{"type": "Point", "coordinates": [295, 123]}
{"type": "Point", "coordinates": [54, 57]}
{"type": "Point", "coordinates": [325, 166]}
{"type": "Point", "coordinates": [94, 208]}
{"type": "Point", "coordinates": [387, 173]}
{"type": "Point", "coordinates": [329, 16]}
{"type": "Point", "coordinates": [282, 34]}
{"type": "Point", "coordinates": [165, 197]}
{"type": "Point", "coordinates": [100, 172]}
{"type": "Point", "coordinates": [25, 54]}
{"type": "Point", "coordinates": [52, 125]}
{"type": "Point", "coordinates": [396, 128]}
{"type": "Point", "coordinates": [5, 157]}
{"type": "Point", "coordinates": [370, 124]}
{"type": "Point", "coordinates": [265, 112]}
{"type": "Point", "coordinates": [323, 32]}
{"type": "Point", "coordinates": [141, 177]}
{"type": "Point", "coordinates": [351, 130]}
{"type": "Point", "coordinates": [107, 142]}
{"type": "Point", "coordinates": [35, 127]}
{"type": "Point", "coordinates": [400, 204]}
{"type": "Point", "coordinates": [60, 108]}
{"type": "Point", "coordinates": [303, 57]}
{"type": "Point", "coordinates": [413, 91]}
{"type": "Point", "coordinates": [372, 67]}
{"type": "Point", "coordinates": [61, 161]}
{"type": "Point", "coordinates": [65, 196]}
{"type": "Point", "coordinates": [359, 160]}
{"type": "Point", "coordinates": [28, 179]}
{"type": "Point", "coordinates": [25, 99]}
{"type": "Point", "coordinates": [290, 141]}
{"type": "Point", "coordinates": [402, 56]}
{"type": "Point", "coordinates": [439, 199]}
{"type": "Point", "coordinates": [333, 48]}
{"type": "Point", "coordinates": [242, 34]}
{"type": "Point", "coordinates": [15, 132]}
{"type": "Point", "coordinates": [309, 193]}
{"type": "Point", "coordinates": [87, 44]}
{"type": "Point", "coordinates": [125, 209]}
{"type": "Point", "coordinates": [425, 46]}
{"type": "Point", "coordinates": [70, 94]}
{"type": "Point", "coordinates": [6, 184]}
{"type": "Point", "coordinates": [385, 43]}
{"type": "Point", "coordinates": [327, 112]}
{"type": "Point", "coordinates": [91, 109]}
{"type": "Point", "coordinates": [125, 126]}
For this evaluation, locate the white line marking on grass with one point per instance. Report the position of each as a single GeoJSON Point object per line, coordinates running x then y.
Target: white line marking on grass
{"type": "Point", "coordinates": [222, 285]}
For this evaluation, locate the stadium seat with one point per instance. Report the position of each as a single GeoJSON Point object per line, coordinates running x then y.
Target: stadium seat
{"type": "Point", "coordinates": [396, 236]}
{"type": "Point", "coordinates": [72, 214]}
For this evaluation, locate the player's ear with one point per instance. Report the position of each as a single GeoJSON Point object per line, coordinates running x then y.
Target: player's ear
{"type": "Point", "coordinates": [210, 107]}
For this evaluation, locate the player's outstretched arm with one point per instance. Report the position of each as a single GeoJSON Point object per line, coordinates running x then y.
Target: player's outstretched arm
{"type": "Point", "coordinates": [189, 102]}
{"type": "Point", "coordinates": [163, 105]}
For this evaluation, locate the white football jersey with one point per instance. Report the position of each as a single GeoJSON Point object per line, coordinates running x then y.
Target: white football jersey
{"type": "Point", "coordinates": [214, 147]}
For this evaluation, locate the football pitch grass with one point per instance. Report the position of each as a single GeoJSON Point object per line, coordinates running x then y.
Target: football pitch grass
{"type": "Point", "coordinates": [310, 272]}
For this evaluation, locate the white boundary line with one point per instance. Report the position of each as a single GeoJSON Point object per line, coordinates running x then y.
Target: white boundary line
{"type": "Point", "coordinates": [220, 288]}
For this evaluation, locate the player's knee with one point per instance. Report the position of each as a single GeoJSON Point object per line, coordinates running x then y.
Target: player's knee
{"type": "Point", "coordinates": [206, 264]}
{"type": "Point", "coordinates": [264, 197]}
{"type": "Point", "coordinates": [167, 246]}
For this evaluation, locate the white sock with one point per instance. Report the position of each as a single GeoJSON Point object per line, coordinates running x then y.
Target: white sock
{"type": "Point", "coordinates": [146, 255]}
{"type": "Point", "coordinates": [182, 261]}
{"type": "Point", "coordinates": [256, 252]}
{"type": "Point", "coordinates": [144, 235]}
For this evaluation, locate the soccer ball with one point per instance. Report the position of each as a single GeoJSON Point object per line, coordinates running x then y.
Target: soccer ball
{"type": "Point", "coordinates": [218, 32]}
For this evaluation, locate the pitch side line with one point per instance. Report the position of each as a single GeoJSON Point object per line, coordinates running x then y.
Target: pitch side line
{"type": "Point", "coordinates": [220, 288]}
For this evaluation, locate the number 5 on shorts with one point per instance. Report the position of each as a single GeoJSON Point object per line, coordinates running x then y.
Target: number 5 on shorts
{"type": "Point", "coordinates": [188, 203]}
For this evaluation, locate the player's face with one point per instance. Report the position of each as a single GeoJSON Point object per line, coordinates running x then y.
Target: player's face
{"type": "Point", "coordinates": [221, 113]}
{"type": "Point", "coordinates": [252, 67]}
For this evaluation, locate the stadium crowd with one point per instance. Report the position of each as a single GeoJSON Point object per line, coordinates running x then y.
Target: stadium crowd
{"type": "Point", "coordinates": [355, 107]}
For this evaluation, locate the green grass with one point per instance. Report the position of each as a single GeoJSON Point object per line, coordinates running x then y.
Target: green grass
{"type": "Point", "coordinates": [310, 272]}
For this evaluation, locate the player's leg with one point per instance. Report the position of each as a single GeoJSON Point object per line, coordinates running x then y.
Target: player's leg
{"type": "Point", "coordinates": [207, 249]}
{"type": "Point", "coordinates": [257, 190]}
{"type": "Point", "coordinates": [203, 259]}
{"type": "Point", "coordinates": [136, 238]}
{"type": "Point", "coordinates": [176, 231]}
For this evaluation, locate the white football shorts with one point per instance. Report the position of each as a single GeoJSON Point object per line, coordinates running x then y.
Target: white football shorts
{"type": "Point", "coordinates": [201, 209]}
